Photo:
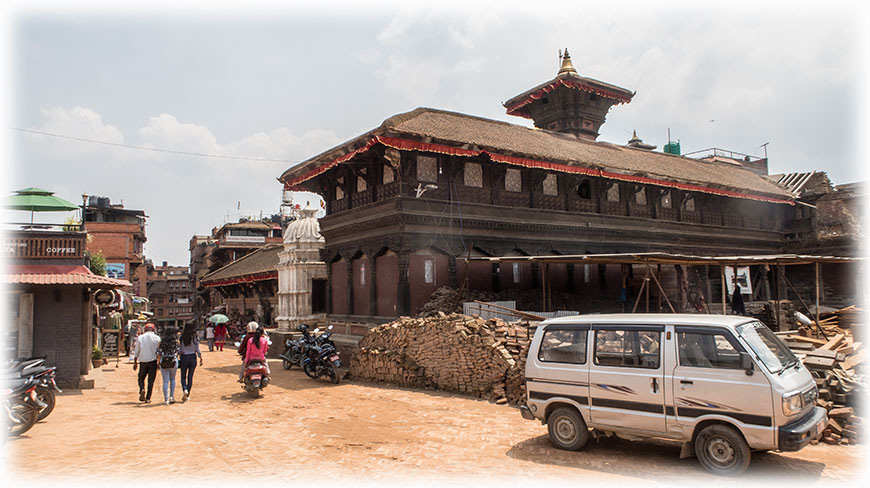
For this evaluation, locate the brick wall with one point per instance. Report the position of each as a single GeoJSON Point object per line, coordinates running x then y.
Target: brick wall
{"type": "Point", "coordinates": [57, 330]}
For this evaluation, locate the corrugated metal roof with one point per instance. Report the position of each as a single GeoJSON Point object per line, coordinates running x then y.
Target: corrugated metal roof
{"type": "Point", "coordinates": [47, 274]}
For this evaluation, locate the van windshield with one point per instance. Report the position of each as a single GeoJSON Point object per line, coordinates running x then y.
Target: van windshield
{"type": "Point", "coordinates": [775, 355]}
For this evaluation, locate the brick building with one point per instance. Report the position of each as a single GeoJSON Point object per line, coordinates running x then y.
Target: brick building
{"type": "Point", "coordinates": [50, 299]}
{"type": "Point", "coordinates": [119, 234]}
{"type": "Point", "coordinates": [170, 294]}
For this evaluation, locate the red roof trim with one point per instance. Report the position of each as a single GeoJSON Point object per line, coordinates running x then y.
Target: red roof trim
{"type": "Point", "coordinates": [269, 275]}
{"type": "Point", "coordinates": [569, 84]}
{"type": "Point", "coordinates": [57, 274]}
{"type": "Point", "coordinates": [409, 145]}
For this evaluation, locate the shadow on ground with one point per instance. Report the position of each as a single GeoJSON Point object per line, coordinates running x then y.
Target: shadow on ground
{"type": "Point", "coordinates": [660, 461]}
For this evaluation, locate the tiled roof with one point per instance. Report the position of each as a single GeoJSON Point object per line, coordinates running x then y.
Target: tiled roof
{"type": "Point", "coordinates": [258, 265]}
{"type": "Point", "coordinates": [48, 274]}
{"type": "Point", "coordinates": [460, 130]}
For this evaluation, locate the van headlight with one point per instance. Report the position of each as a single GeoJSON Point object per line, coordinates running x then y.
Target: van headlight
{"type": "Point", "coordinates": [792, 404]}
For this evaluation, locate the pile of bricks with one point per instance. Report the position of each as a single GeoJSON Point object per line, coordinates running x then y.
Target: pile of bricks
{"type": "Point", "coordinates": [835, 359]}
{"type": "Point", "coordinates": [454, 352]}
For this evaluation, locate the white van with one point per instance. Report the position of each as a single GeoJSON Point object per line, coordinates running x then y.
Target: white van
{"type": "Point", "coordinates": [721, 384]}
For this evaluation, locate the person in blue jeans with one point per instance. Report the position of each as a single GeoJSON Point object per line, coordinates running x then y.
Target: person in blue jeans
{"type": "Point", "coordinates": [187, 362]}
{"type": "Point", "coordinates": [167, 358]}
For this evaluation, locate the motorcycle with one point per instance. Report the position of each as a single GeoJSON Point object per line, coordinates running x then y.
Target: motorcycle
{"type": "Point", "coordinates": [297, 349]}
{"type": "Point", "coordinates": [323, 358]}
{"type": "Point", "coordinates": [43, 376]}
{"type": "Point", "coordinates": [22, 405]}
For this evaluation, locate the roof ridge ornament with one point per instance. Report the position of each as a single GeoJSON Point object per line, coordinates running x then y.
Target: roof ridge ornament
{"type": "Point", "coordinates": [567, 66]}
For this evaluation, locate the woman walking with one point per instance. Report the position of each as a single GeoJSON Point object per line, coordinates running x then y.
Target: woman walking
{"type": "Point", "coordinates": [189, 351]}
{"type": "Point", "coordinates": [167, 357]}
{"type": "Point", "coordinates": [220, 335]}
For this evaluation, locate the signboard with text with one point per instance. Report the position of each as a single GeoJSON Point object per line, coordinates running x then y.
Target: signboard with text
{"type": "Point", "coordinates": [116, 270]}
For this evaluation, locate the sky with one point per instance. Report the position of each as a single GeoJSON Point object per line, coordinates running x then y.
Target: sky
{"type": "Point", "coordinates": [279, 84]}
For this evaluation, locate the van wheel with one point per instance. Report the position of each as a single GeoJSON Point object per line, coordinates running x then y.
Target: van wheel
{"type": "Point", "coordinates": [722, 450]}
{"type": "Point", "coordinates": [567, 429]}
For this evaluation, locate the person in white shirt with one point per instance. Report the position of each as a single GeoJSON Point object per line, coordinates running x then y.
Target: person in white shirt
{"type": "Point", "coordinates": [145, 352]}
{"type": "Point", "coordinates": [209, 335]}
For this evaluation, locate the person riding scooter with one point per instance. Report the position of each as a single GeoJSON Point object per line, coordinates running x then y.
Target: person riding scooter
{"type": "Point", "coordinates": [255, 344]}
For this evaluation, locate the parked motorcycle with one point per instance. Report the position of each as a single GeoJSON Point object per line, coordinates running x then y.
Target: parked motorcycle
{"type": "Point", "coordinates": [22, 405]}
{"type": "Point", "coordinates": [44, 376]}
{"type": "Point", "coordinates": [297, 349]}
{"type": "Point", "coordinates": [323, 358]}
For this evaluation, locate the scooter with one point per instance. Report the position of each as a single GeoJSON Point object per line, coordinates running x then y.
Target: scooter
{"type": "Point", "coordinates": [22, 405]}
{"type": "Point", "coordinates": [256, 377]}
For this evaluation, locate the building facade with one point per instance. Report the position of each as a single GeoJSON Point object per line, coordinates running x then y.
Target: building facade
{"type": "Point", "coordinates": [119, 235]}
{"type": "Point", "coordinates": [170, 294]}
{"type": "Point", "coordinates": [408, 202]}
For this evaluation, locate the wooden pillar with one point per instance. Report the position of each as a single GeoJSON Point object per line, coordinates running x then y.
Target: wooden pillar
{"type": "Point", "coordinates": [724, 290]}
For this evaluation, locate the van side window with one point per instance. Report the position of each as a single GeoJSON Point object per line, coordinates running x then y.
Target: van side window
{"type": "Point", "coordinates": [628, 348]}
{"type": "Point", "coordinates": [707, 350]}
{"type": "Point", "coordinates": [563, 346]}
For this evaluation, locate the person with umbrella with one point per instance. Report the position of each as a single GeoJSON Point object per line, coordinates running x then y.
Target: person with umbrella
{"type": "Point", "coordinates": [220, 329]}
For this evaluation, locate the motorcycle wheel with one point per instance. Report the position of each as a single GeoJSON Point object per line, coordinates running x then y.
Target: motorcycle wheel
{"type": "Point", "coordinates": [46, 396]}
{"type": "Point", "coordinates": [26, 414]}
{"type": "Point", "coordinates": [253, 391]}
{"type": "Point", "coordinates": [310, 371]}
{"type": "Point", "coordinates": [334, 375]}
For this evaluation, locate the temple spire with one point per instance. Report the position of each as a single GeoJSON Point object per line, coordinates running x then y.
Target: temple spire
{"type": "Point", "coordinates": [567, 67]}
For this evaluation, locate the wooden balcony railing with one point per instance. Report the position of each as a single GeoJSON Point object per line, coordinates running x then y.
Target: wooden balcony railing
{"type": "Point", "coordinates": [31, 244]}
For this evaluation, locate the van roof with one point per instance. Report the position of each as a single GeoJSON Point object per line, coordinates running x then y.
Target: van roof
{"type": "Point", "coordinates": [654, 319]}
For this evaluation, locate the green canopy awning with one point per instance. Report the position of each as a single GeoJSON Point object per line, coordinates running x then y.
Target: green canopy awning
{"type": "Point", "coordinates": [37, 200]}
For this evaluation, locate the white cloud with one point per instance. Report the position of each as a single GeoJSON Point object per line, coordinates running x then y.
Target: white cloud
{"type": "Point", "coordinates": [418, 80]}
{"type": "Point", "coordinates": [81, 123]}
{"type": "Point", "coordinates": [166, 132]}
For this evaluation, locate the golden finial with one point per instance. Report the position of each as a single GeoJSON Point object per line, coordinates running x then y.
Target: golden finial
{"type": "Point", "coordinates": [567, 67]}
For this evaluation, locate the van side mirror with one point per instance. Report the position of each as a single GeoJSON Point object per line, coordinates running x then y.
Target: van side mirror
{"type": "Point", "coordinates": [746, 364]}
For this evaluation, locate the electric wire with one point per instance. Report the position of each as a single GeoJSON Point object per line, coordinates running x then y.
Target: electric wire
{"type": "Point", "coordinates": [153, 149]}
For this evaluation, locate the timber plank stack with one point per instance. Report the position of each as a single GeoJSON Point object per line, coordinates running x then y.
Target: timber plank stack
{"type": "Point", "coordinates": [835, 357]}
{"type": "Point", "coordinates": [458, 353]}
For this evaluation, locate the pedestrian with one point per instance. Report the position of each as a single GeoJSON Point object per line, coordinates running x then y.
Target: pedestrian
{"type": "Point", "coordinates": [168, 356]}
{"type": "Point", "coordinates": [737, 305]}
{"type": "Point", "coordinates": [209, 335]}
{"type": "Point", "coordinates": [220, 335]}
{"type": "Point", "coordinates": [145, 352]}
{"type": "Point", "coordinates": [187, 361]}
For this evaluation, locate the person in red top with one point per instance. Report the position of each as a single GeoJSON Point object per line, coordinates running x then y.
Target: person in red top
{"type": "Point", "coordinates": [256, 344]}
{"type": "Point", "coordinates": [220, 336]}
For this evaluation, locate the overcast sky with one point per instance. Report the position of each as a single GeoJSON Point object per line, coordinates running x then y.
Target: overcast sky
{"type": "Point", "coordinates": [287, 83]}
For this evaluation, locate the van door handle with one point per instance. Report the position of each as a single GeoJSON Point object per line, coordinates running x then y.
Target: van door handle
{"type": "Point", "coordinates": [685, 383]}
{"type": "Point", "coordinates": [654, 385]}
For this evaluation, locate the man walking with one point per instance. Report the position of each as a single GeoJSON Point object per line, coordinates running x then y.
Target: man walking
{"type": "Point", "coordinates": [145, 352]}
{"type": "Point", "coordinates": [209, 335]}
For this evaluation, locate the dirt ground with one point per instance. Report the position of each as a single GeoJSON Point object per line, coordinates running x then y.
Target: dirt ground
{"type": "Point", "coordinates": [361, 434]}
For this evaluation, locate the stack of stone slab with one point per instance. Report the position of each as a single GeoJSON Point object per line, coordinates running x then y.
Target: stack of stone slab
{"type": "Point", "coordinates": [458, 353]}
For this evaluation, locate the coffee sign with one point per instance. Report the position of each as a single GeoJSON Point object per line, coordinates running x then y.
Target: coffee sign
{"type": "Point", "coordinates": [104, 297]}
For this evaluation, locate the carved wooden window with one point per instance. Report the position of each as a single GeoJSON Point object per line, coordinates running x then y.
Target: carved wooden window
{"type": "Point", "coordinates": [427, 168]}
{"type": "Point", "coordinates": [689, 203]}
{"type": "Point", "coordinates": [613, 193]}
{"type": "Point", "coordinates": [339, 192]}
{"type": "Point", "coordinates": [429, 271]}
{"type": "Point", "coordinates": [473, 175]}
{"type": "Point", "coordinates": [551, 186]}
{"type": "Point", "coordinates": [584, 189]}
{"type": "Point", "coordinates": [666, 199]}
{"type": "Point", "coordinates": [361, 184]}
{"type": "Point", "coordinates": [513, 180]}
{"type": "Point", "coordinates": [389, 174]}
{"type": "Point", "coordinates": [640, 196]}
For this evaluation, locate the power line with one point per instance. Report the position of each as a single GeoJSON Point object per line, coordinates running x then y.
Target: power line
{"type": "Point", "coordinates": [128, 146]}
